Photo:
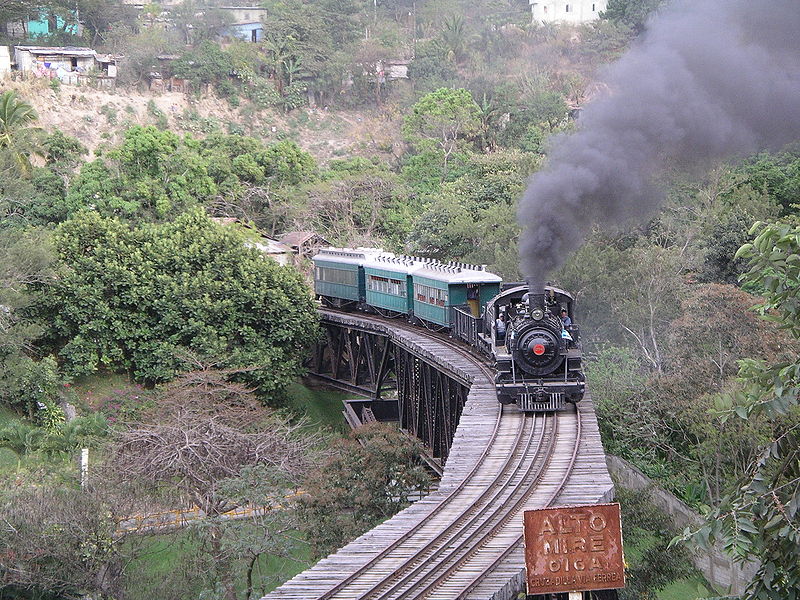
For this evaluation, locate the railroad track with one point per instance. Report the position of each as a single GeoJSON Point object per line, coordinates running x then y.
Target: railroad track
{"type": "Point", "coordinates": [477, 525]}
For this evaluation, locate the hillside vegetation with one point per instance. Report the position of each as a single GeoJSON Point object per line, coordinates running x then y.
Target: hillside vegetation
{"type": "Point", "coordinates": [115, 276]}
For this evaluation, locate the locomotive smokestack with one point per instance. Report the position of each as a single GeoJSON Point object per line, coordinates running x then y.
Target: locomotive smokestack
{"type": "Point", "coordinates": [535, 294]}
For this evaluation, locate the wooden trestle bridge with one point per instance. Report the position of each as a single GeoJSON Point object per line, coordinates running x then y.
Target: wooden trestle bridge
{"type": "Point", "coordinates": [463, 540]}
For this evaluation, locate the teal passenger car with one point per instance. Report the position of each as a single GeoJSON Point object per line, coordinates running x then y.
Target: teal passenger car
{"type": "Point", "coordinates": [420, 288]}
{"type": "Point", "coordinates": [440, 286]}
{"type": "Point", "coordinates": [339, 275]}
{"type": "Point", "coordinates": [388, 283]}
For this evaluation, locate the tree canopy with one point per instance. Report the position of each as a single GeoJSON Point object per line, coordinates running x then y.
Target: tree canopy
{"type": "Point", "coordinates": [143, 298]}
{"type": "Point", "coordinates": [758, 518]}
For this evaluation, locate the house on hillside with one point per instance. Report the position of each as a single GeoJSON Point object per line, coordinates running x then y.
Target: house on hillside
{"type": "Point", "coordinates": [391, 69]}
{"type": "Point", "coordinates": [246, 22]}
{"type": "Point", "coordinates": [39, 22]}
{"type": "Point", "coordinates": [70, 64]}
{"type": "Point", "coordinates": [566, 11]}
{"type": "Point", "coordinates": [305, 243]}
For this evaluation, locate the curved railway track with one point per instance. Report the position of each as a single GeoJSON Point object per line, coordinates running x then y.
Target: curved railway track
{"type": "Point", "coordinates": [474, 527]}
{"type": "Point", "coordinates": [460, 528]}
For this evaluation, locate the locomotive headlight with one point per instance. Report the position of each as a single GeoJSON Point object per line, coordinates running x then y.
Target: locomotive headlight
{"type": "Point", "coordinates": [537, 314]}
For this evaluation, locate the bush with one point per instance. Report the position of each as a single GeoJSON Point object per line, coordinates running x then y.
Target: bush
{"type": "Point", "coordinates": [205, 64]}
{"type": "Point", "coordinates": [263, 94]}
{"type": "Point", "coordinates": [28, 385]}
{"type": "Point", "coordinates": [159, 115]}
{"type": "Point", "coordinates": [152, 299]}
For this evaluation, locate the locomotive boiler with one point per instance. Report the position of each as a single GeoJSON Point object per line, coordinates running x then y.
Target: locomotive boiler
{"type": "Point", "coordinates": [539, 365]}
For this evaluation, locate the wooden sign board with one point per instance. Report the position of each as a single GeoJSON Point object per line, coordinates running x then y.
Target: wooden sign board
{"type": "Point", "coordinates": [574, 549]}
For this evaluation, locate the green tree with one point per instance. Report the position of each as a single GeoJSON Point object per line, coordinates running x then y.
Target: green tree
{"type": "Point", "coordinates": [758, 519]}
{"type": "Point", "coordinates": [207, 63]}
{"type": "Point", "coordinates": [152, 175]}
{"type": "Point", "coordinates": [25, 261]}
{"type": "Point", "coordinates": [63, 150]}
{"type": "Point", "coordinates": [442, 119]}
{"type": "Point", "coordinates": [18, 138]}
{"type": "Point", "coordinates": [98, 16]}
{"type": "Point", "coordinates": [370, 477]}
{"type": "Point", "coordinates": [777, 175]}
{"type": "Point", "coordinates": [631, 12]}
{"type": "Point", "coordinates": [143, 298]}
{"type": "Point", "coordinates": [474, 217]}
{"type": "Point", "coordinates": [432, 68]}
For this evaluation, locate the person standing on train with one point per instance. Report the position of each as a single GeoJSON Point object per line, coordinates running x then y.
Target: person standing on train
{"type": "Point", "coordinates": [500, 329]}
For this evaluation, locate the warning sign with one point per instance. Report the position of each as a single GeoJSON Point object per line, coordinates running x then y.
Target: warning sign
{"type": "Point", "coordinates": [574, 549]}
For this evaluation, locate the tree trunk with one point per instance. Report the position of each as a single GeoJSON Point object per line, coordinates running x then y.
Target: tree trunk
{"type": "Point", "coordinates": [250, 568]}
{"type": "Point", "coordinates": [221, 563]}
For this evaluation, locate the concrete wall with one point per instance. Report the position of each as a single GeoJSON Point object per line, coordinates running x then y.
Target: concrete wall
{"type": "Point", "coordinates": [5, 62]}
{"type": "Point", "coordinates": [246, 31]}
{"type": "Point", "coordinates": [566, 11]}
{"type": "Point", "coordinates": [716, 567]}
{"type": "Point", "coordinates": [245, 14]}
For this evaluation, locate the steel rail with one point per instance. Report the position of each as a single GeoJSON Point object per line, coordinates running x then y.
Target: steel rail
{"type": "Point", "coordinates": [498, 486]}
{"type": "Point", "coordinates": [478, 538]}
{"type": "Point", "coordinates": [446, 500]}
{"type": "Point", "coordinates": [553, 497]}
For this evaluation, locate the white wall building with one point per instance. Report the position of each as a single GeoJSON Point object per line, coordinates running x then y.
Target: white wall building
{"type": "Point", "coordinates": [566, 11]}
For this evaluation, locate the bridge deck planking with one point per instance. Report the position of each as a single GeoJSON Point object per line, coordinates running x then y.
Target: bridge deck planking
{"type": "Point", "coordinates": [589, 483]}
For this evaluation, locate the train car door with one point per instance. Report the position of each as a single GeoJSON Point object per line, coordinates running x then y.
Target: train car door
{"type": "Point", "coordinates": [473, 299]}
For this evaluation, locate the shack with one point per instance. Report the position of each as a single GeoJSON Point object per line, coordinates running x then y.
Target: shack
{"type": "Point", "coordinates": [280, 253]}
{"type": "Point", "coordinates": [305, 243]}
{"type": "Point", "coordinates": [30, 59]}
{"type": "Point", "coordinates": [70, 64]}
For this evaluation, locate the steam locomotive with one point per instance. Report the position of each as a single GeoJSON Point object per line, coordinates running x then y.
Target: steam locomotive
{"type": "Point", "coordinates": [536, 354]}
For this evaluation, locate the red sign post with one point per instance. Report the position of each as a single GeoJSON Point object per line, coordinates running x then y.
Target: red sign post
{"type": "Point", "coordinates": [574, 549]}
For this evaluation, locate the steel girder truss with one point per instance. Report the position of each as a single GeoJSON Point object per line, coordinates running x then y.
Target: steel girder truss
{"type": "Point", "coordinates": [366, 362]}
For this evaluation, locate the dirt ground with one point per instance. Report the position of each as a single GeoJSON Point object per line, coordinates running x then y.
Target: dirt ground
{"type": "Point", "coordinates": [99, 117]}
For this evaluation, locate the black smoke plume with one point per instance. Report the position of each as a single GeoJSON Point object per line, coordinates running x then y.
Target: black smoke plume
{"type": "Point", "coordinates": [711, 79]}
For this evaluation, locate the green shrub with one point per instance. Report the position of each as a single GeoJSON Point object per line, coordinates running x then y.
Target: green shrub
{"type": "Point", "coordinates": [159, 115]}
{"type": "Point", "coordinates": [21, 437]}
{"type": "Point", "coordinates": [263, 94]}
{"type": "Point", "coordinates": [27, 385]}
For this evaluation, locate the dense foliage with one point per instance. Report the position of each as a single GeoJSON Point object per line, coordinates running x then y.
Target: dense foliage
{"type": "Point", "coordinates": [758, 518]}
{"type": "Point", "coordinates": [147, 299]}
{"type": "Point", "coordinates": [370, 477]}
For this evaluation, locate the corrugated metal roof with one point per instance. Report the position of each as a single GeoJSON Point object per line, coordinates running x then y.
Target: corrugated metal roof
{"type": "Point", "coordinates": [375, 258]}
{"type": "Point", "coordinates": [58, 50]}
{"type": "Point", "coordinates": [351, 256]}
{"type": "Point", "coordinates": [270, 246]}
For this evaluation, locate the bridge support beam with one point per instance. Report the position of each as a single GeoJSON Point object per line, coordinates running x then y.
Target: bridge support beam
{"type": "Point", "coordinates": [371, 363]}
